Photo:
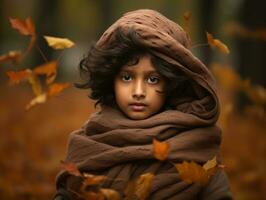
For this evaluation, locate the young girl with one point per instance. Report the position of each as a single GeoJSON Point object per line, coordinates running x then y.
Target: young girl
{"type": "Point", "coordinates": [149, 85]}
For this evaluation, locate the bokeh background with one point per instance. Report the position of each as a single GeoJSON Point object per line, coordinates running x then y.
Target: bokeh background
{"type": "Point", "coordinates": [33, 142]}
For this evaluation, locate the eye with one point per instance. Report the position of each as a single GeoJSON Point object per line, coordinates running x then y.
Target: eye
{"type": "Point", "coordinates": [153, 80]}
{"type": "Point", "coordinates": [126, 77]}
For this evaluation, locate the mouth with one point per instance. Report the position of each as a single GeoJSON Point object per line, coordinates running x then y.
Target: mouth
{"type": "Point", "coordinates": [137, 106]}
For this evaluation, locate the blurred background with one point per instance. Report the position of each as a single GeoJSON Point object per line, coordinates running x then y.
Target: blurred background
{"type": "Point", "coordinates": [33, 142]}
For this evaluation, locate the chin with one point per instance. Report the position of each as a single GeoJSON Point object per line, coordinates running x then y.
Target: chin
{"type": "Point", "coordinates": [138, 116]}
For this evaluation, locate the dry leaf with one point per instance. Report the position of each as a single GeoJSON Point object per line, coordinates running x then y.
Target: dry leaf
{"type": "Point", "coordinates": [160, 150]}
{"type": "Point", "coordinates": [58, 43]}
{"type": "Point", "coordinates": [143, 185]}
{"type": "Point", "coordinates": [56, 88]}
{"type": "Point", "coordinates": [71, 168]}
{"type": "Point", "coordinates": [192, 172]}
{"type": "Point", "coordinates": [91, 179]}
{"type": "Point", "coordinates": [35, 84]}
{"type": "Point", "coordinates": [17, 77]}
{"type": "Point", "coordinates": [13, 56]}
{"type": "Point", "coordinates": [24, 27]}
{"type": "Point", "coordinates": [37, 100]}
{"type": "Point", "coordinates": [217, 44]}
{"type": "Point", "coordinates": [187, 16]}
{"type": "Point", "coordinates": [110, 194]}
{"type": "Point", "coordinates": [49, 69]}
{"type": "Point", "coordinates": [256, 93]}
{"type": "Point", "coordinates": [89, 195]}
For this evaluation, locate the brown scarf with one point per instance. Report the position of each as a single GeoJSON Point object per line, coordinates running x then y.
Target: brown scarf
{"type": "Point", "coordinates": [120, 148]}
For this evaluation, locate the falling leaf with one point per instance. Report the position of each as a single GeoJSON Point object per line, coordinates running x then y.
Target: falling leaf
{"type": "Point", "coordinates": [49, 69]}
{"type": "Point", "coordinates": [217, 44]}
{"type": "Point", "coordinates": [187, 16]}
{"type": "Point", "coordinates": [71, 168]}
{"type": "Point", "coordinates": [110, 194]}
{"type": "Point", "coordinates": [139, 187]}
{"type": "Point", "coordinates": [91, 179]}
{"type": "Point", "coordinates": [58, 43]}
{"type": "Point", "coordinates": [143, 185]}
{"type": "Point", "coordinates": [160, 150]}
{"type": "Point", "coordinates": [13, 56]}
{"type": "Point", "coordinates": [35, 84]}
{"type": "Point", "coordinates": [192, 172]}
{"type": "Point", "coordinates": [17, 77]}
{"type": "Point", "coordinates": [256, 93]}
{"type": "Point", "coordinates": [37, 100]}
{"type": "Point", "coordinates": [56, 88]}
{"type": "Point", "coordinates": [24, 27]}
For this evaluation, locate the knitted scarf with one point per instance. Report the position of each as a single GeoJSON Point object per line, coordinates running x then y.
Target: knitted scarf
{"type": "Point", "coordinates": [111, 144]}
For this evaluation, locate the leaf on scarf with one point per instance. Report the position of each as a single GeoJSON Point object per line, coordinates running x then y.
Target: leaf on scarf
{"type": "Point", "coordinates": [37, 100]}
{"type": "Point", "coordinates": [56, 88]}
{"type": "Point", "coordinates": [49, 69]}
{"type": "Point", "coordinates": [17, 77]}
{"type": "Point", "coordinates": [160, 150]}
{"type": "Point", "coordinates": [91, 179]}
{"type": "Point", "coordinates": [13, 56]}
{"type": "Point", "coordinates": [71, 168]}
{"type": "Point", "coordinates": [110, 194]}
{"type": "Point", "coordinates": [215, 43]}
{"type": "Point", "coordinates": [139, 187]}
{"type": "Point", "coordinates": [59, 43]}
{"type": "Point", "coordinates": [89, 195]}
{"type": "Point", "coordinates": [24, 27]}
{"type": "Point", "coordinates": [192, 172]}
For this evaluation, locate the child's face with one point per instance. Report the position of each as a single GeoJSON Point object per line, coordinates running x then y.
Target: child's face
{"type": "Point", "coordinates": [136, 89]}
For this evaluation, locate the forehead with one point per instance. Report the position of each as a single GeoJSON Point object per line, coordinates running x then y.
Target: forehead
{"type": "Point", "coordinates": [144, 64]}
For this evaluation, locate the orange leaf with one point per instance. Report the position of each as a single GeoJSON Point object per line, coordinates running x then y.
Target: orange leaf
{"type": "Point", "coordinates": [160, 150]}
{"type": "Point", "coordinates": [56, 88]}
{"type": "Point", "coordinates": [217, 44]}
{"type": "Point", "coordinates": [187, 16]}
{"type": "Point", "coordinates": [110, 194]}
{"type": "Point", "coordinates": [192, 172]}
{"type": "Point", "coordinates": [49, 69]}
{"type": "Point", "coordinates": [71, 168]}
{"type": "Point", "coordinates": [24, 27]}
{"type": "Point", "coordinates": [16, 77]}
{"type": "Point", "coordinates": [13, 56]}
{"type": "Point", "coordinates": [91, 179]}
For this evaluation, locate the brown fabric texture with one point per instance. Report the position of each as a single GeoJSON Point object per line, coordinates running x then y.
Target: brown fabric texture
{"type": "Point", "coordinates": [111, 144]}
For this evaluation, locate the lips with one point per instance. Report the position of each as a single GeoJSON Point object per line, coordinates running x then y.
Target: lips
{"type": "Point", "coordinates": [137, 106]}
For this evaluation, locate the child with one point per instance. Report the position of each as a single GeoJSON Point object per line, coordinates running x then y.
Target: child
{"type": "Point", "coordinates": [149, 85]}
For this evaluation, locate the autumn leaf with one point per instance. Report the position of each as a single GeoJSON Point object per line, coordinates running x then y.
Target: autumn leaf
{"type": "Point", "coordinates": [56, 88]}
{"type": "Point", "coordinates": [35, 84]}
{"type": "Point", "coordinates": [215, 43]}
{"type": "Point", "coordinates": [24, 27]}
{"type": "Point", "coordinates": [37, 100]}
{"type": "Point", "coordinates": [17, 77]}
{"type": "Point", "coordinates": [49, 69]}
{"type": "Point", "coordinates": [139, 187]}
{"type": "Point", "coordinates": [58, 43]}
{"type": "Point", "coordinates": [110, 194]}
{"type": "Point", "coordinates": [160, 150]}
{"type": "Point", "coordinates": [91, 179]}
{"type": "Point", "coordinates": [13, 56]}
{"type": "Point", "coordinates": [71, 168]}
{"type": "Point", "coordinates": [192, 172]}
{"type": "Point", "coordinates": [89, 195]}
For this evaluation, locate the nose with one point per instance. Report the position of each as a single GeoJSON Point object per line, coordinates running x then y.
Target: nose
{"type": "Point", "coordinates": [139, 90]}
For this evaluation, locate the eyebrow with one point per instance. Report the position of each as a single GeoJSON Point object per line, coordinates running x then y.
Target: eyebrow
{"type": "Point", "coordinates": [130, 70]}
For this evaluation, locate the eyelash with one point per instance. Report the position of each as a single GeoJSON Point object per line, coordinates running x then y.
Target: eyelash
{"type": "Point", "coordinates": [149, 78]}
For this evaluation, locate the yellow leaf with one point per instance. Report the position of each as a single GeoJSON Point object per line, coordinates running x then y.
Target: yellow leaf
{"type": "Point", "coordinates": [49, 69]}
{"type": "Point", "coordinates": [37, 100]}
{"type": "Point", "coordinates": [58, 43]}
{"type": "Point", "coordinates": [56, 88]}
{"type": "Point", "coordinates": [91, 179]}
{"type": "Point", "coordinates": [210, 164]}
{"type": "Point", "coordinates": [143, 185]}
{"type": "Point", "coordinates": [35, 84]}
{"type": "Point", "coordinates": [110, 194]}
{"type": "Point", "coordinates": [160, 150]}
{"type": "Point", "coordinates": [217, 44]}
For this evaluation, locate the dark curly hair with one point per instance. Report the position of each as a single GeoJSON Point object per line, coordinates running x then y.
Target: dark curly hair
{"type": "Point", "coordinates": [99, 68]}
